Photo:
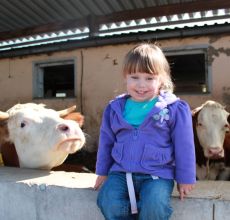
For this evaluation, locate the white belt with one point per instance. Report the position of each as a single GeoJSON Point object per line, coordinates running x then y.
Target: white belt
{"type": "Point", "coordinates": [132, 197]}
{"type": "Point", "coordinates": [131, 191]}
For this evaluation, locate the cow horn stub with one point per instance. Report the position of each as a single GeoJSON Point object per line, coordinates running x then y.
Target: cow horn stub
{"type": "Point", "coordinates": [63, 113]}
{"type": "Point", "coordinates": [4, 115]}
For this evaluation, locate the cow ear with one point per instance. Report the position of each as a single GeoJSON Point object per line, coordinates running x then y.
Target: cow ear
{"type": "Point", "coordinates": [196, 111]}
{"type": "Point", "coordinates": [76, 116]}
{"type": "Point", "coordinates": [9, 154]}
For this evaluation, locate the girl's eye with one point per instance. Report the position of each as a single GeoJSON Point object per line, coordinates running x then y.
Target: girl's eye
{"type": "Point", "coordinates": [23, 124]}
{"type": "Point", "coordinates": [149, 78]}
{"type": "Point", "coordinates": [134, 77]}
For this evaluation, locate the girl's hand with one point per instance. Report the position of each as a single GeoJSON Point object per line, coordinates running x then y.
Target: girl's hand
{"type": "Point", "coordinates": [184, 189]}
{"type": "Point", "coordinates": [99, 181]}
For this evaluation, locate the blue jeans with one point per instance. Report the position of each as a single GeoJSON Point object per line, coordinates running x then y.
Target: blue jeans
{"type": "Point", "coordinates": [153, 197]}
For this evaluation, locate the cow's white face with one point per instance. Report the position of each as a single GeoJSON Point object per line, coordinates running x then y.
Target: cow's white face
{"type": "Point", "coordinates": [211, 127]}
{"type": "Point", "coordinates": [42, 139]}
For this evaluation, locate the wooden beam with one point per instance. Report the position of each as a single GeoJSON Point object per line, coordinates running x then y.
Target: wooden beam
{"type": "Point", "coordinates": [93, 26]}
{"type": "Point", "coordinates": [156, 11]}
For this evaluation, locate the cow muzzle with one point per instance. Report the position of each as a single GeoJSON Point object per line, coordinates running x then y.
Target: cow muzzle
{"type": "Point", "coordinates": [71, 145]}
{"type": "Point", "coordinates": [215, 153]}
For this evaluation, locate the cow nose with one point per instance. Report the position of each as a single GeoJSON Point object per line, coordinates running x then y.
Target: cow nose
{"type": "Point", "coordinates": [215, 151]}
{"type": "Point", "coordinates": [63, 127]}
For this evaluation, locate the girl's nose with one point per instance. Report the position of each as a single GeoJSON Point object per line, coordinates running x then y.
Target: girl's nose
{"type": "Point", "coordinates": [141, 83]}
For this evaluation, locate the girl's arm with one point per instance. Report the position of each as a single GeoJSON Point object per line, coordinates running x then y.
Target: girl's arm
{"type": "Point", "coordinates": [106, 142]}
{"type": "Point", "coordinates": [183, 140]}
{"type": "Point", "coordinates": [184, 189]}
{"type": "Point", "coordinates": [99, 181]}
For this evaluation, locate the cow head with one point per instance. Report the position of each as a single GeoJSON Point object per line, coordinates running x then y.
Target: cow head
{"type": "Point", "coordinates": [41, 137]}
{"type": "Point", "coordinates": [211, 123]}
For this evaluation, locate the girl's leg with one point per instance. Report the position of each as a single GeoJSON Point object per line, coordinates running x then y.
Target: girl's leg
{"type": "Point", "coordinates": [155, 197]}
{"type": "Point", "coordinates": [113, 199]}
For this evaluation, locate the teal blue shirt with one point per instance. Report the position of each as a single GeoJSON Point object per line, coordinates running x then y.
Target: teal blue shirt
{"type": "Point", "coordinates": [135, 112]}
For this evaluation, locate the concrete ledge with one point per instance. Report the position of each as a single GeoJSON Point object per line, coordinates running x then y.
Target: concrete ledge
{"type": "Point", "coordinates": [28, 194]}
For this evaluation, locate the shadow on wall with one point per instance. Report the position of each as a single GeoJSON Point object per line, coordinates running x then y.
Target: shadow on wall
{"type": "Point", "coordinates": [82, 161]}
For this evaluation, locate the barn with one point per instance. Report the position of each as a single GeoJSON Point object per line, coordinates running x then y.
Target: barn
{"type": "Point", "coordinates": [64, 53]}
{"type": "Point", "coordinates": [72, 52]}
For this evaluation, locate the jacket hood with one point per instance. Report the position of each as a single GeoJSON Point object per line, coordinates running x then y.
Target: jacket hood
{"type": "Point", "coordinates": [166, 98]}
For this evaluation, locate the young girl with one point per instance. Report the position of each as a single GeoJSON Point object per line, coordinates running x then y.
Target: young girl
{"type": "Point", "coordinates": [146, 141]}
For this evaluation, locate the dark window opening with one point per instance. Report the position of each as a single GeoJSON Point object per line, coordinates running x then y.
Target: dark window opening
{"type": "Point", "coordinates": [58, 81]}
{"type": "Point", "coordinates": [188, 73]}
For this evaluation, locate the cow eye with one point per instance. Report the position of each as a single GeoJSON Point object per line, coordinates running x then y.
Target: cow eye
{"type": "Point", "coordinates": [199, 124]}
{"type": "Point", "coordinates": [23, 124]}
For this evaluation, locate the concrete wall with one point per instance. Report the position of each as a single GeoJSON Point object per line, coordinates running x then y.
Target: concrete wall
{"type": "Point", "coordinates": [28, 194]}
{"type": "Point", "coordinates": [100, 69]}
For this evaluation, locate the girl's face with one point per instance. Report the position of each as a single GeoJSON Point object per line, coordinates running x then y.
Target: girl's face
{"type": "Point", "coordinates": [142, 86]}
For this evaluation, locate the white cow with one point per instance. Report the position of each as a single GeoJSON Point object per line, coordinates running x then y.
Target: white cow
{"type": "Point", "coordinates": [41, 137]}
{"type": "Point", "coordinates": [210, 122]}
{"type": "Point", "coordinates": [211, 127]}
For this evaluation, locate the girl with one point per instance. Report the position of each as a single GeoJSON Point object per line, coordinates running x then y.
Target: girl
{"type": "Point", "coordinates": [146, 141]}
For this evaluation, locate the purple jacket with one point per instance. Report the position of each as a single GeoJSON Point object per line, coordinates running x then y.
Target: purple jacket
{"type": "Point", "coordinates": [162, 145]}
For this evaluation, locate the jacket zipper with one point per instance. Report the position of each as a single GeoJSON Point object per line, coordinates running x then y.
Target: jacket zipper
{"type": "Point", "coordinates": [135, 134]}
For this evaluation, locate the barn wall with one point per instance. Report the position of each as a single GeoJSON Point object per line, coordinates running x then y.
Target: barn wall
{"type": "Point", "coordinates": [101, 78]}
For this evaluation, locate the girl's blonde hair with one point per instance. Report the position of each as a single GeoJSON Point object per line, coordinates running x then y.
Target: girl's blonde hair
{"type": "Point", "coordinates": [149, 58]}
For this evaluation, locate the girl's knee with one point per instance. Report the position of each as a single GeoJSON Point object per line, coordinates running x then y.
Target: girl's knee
{"type": "Point", "coordinates": [114, 210]}
{"type": "Point", "coordinates": [155, 206]}
{"type": "Point", "coordinates": [157, 210]}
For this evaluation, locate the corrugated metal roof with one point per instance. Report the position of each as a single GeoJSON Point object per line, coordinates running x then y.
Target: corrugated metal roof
{"type": "Point", "coordinates": [19, 16]}
{"type": "Point", "coordinates": [71, 44]}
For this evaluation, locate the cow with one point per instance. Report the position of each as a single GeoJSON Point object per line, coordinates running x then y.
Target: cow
{"type": "Point", "coordinates": [212, 141]}
{"type": "Point", "coordinates": [39, 137]}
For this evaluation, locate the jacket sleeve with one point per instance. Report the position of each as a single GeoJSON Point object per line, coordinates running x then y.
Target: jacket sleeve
{"type": "Point", "coordinates": [106, 142]}
{"type": "Point", "coordinates": [183, 140]}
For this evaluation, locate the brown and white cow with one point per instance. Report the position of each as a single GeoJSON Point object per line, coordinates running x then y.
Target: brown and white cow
{"type": "Point", "coordinates": [42, 138]}
{"type": "Point", "coordinates": [211, 127]}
